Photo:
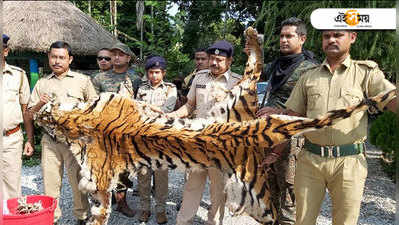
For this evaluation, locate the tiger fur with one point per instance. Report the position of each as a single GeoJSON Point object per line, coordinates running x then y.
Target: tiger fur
{"type": "Point", "coordinates": [108, 145]}
{"type": "Point", "coordinates": [115, 133]}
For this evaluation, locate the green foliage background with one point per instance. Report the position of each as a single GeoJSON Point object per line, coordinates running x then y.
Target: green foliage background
{"type": "Point", "coordinates": [200, 23]}
{"type": "Point", "coordinates": [384, 133]}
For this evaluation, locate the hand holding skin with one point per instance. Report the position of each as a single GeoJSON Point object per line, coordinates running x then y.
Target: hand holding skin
{"type": "Point", "coordinates": [155, 108]}
{"type": "Point", "coordinates": [273, 156]}
{"type": "Point", "coordinates": [171, 114]}
{"type": "Point", "coordinates": [266, 111]}
{"type": "Point", "coordinates": [44, 99]}
{"type": "Point", "coordinates": [28, 150]}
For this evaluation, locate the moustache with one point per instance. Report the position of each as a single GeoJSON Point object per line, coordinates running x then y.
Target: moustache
{"type": "Point", "coordinates": [332, 47]}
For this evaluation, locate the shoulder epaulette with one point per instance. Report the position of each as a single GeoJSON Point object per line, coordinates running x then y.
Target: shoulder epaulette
{"type": "Point", "coordinates": [202, 72]}
{"type": "Point", "coordinates": [368, 63]}
{"type": "Point", "coordinates": [16, 68]}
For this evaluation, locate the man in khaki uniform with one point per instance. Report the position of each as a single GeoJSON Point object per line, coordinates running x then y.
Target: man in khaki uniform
{"type": "Point", "coordinates": [333, 157]}
{"type": "Point", "coordinates": [162, 95]}
{"type": "Point", "coordinates": [201, 63]}
{"type": "Point", "coordinates": [15, 100]}
{"type": "Point", "coordinates": [200, 94]}
{"type": "Point", "coordinates": [65, 86]}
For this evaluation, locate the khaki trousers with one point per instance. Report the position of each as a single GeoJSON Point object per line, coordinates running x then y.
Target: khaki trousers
{"type": "Point", "coordinates": [344, 177]}
{"type": "Point", "coordinates": [11, 162]}
{"type": "Point", "coordinates": [192, 195]}
{"type": "Point", "coordinates": [54, 157]}
{"type": "Point", "coordinates": [161, 189]}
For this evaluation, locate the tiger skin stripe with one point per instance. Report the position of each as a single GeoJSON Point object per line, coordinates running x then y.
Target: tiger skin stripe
{"type": "Point", "coordinates": [137, 144]}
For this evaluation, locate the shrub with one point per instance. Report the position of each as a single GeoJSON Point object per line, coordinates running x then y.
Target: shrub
{"type": "Point", "coordinates": [384, 133]}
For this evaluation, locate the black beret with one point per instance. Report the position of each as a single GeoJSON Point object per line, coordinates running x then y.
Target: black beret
{"type": "Point", "coordinates": [5, 39]}
{"type": "Point", "coordinates": [223, 48]}
{"type": "Point", "coordinates": [155, 62]}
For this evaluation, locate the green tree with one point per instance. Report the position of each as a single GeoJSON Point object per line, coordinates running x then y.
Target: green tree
{"type": "Point", "coordinates": [200, 23]}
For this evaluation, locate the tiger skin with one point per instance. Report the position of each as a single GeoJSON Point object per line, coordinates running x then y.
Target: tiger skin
{"type": "Point", "coordinates": [107, 145]}
{"type": "Point", "coordinates": [115, 133]}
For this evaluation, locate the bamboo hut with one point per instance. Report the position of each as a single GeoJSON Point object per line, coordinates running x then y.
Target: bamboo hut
{"type": "Point", "coordinates": [34, 25]}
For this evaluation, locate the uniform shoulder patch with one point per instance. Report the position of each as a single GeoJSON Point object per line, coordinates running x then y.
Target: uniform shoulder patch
{"type": "Point", "coordinates": [368, 63]}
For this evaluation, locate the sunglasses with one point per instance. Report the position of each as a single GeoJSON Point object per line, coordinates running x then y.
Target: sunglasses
{"type": "Point", "coordinates": [99, 58]}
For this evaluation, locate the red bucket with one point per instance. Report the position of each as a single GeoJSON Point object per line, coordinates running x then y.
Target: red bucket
{"type": "Point", "coordinates": [42, 217]}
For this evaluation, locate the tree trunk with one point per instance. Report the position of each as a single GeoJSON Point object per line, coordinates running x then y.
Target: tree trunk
{"type": "Point", "coordinates": [152, 17]}
{"type": "Point", "coordinates": [113, 13]}
{"type": "Point", "coordinates": [89, 7]}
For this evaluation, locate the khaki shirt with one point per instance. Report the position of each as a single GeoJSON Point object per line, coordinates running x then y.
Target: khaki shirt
{"type": "Point", "coordinates": [71, 87]}
{"type": "Point", "coordinates": [164, 95]}
{"type": "Point", "coordinates": [186, 82]}
{"type": "Point", "coordinates": [15, 93]}
{"type": "Point", "coordinates": [319, 91]}
{"type": "Point", "coordinates": [207, 89]}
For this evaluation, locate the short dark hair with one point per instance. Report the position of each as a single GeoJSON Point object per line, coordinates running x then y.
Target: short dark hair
{"type": "Point", "coordinates": [61, 44]}
{"type": "Point", "coordinates": [293, 21]}
{"type": "Point", "coordinates": [200, 49]}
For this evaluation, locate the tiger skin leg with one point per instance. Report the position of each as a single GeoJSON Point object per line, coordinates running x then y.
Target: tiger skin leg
{"type": "Point", "coordinates": [101, 208]}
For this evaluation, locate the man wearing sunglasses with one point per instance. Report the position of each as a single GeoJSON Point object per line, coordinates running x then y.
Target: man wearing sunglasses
{"type": "Point", "coordinates": [104, 59]}
{"type": "Point", "coordinates": [121, 78]}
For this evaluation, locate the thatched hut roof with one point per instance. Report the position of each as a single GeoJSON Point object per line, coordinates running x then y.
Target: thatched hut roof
{"type": "Point", "coordinates": [34, 25]}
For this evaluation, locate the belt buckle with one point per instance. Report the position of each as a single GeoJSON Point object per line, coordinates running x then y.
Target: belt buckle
{"type": "Point", "coordinates": [329, 148]}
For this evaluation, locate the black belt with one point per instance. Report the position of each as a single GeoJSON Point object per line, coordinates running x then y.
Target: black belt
{"type": "Point", "coordinates": [334, 150]}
